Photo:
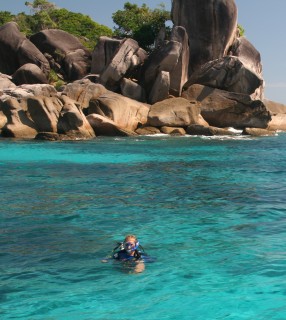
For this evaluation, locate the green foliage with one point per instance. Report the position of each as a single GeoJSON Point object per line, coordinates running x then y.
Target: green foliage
{"type": "Point", "coordinates": [140, 23]}
{"type": "Point", "coordinates": [6, 16]}
{"type": "Point", "coordinates": [80, 25]}
{"type": "Point", "coordinates": [55, 80]}
{"type": "Point", "coordinates": [40, 5]}
{"type": "Point", "coordinates": [241, 30]}
{"type": "Point", "coordinates": [45, 15]}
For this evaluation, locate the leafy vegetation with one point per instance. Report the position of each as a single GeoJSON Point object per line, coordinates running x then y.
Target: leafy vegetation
{"type": "Point", "coordinates": [45, 15]}
{"type": "Point", "coordinates": [241, 30]}
{"type": "Point", "coordinates": [140, 23]}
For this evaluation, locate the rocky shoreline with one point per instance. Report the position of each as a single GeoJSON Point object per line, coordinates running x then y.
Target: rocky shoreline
{"type": "Point", "coordinates": [182, 87]}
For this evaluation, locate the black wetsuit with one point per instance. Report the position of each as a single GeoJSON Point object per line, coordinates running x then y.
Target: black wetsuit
{"type": "Point", "coordinates": [123, 255]}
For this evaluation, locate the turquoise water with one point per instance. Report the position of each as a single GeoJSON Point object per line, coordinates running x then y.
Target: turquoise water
{"type": "Point", "coordinates": [212, 211]}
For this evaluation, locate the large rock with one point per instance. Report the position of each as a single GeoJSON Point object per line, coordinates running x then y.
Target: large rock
{"type": "Point", "coordinates": [147, 130]}
{"type": "Point", "coordinates": [200, 130]}
{"type": "Point", "coordinates": [173, 131]}
{"type": "Point", "coordinates": [72, 121]}
{"type": "Point", "coordinates": [132, 90]}
{"type": "Point", "coordinates": [29, 73]}
{"type": "Point", "coordinates": [211, 26]}
{"type": "Point", "coordinates": [6, 82]}
{"type": "Point", "coordinates": [18, 124]}
{"type": "Point", "coordinates": [278, 115]}
{"type": "Point", "coordinates": [16, 50]}
{"type": "Point", "coordinates": [25, 91]}
{"type": "Point", "coordinates": [103, 126]}
{"type": "Point", "coordinates": [65, 49]}
{"type": "Point", "coordinates": [45, 111]}
{"type": "Point", "coordinates": [227, 109]}
{"type": "Point", "coordinates": [3, 120]}
{"type": "Point", "coordinates": [161, 87]}
{"type": "Point", "coordinates": [230, 74]}
{"type": "Point", "coordinates": [175, 112]}
{"type": "Point", "coordinates": [179, 75]}
{"type": "Point", "coordinates": [83, 91]}
{"type": "Point", "coordinates": [258, 132]}
{"type": "Point", "coordinates": [128, 114]}
{"type": "Point", "coordinates": [163, 59]}
{"type": "Point", "coordinates": [103, 53]}
{"type": "Point", "coordinates": [248, 54]}
{"type": "Point", "coordinates": [122, 63]}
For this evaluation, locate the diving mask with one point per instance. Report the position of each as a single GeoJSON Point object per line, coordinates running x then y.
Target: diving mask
{"type": "Point", "coordinates": [130, 246]}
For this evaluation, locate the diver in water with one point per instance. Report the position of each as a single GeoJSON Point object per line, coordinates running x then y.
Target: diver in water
{"type": "Point", "coordinates": [130, 252]}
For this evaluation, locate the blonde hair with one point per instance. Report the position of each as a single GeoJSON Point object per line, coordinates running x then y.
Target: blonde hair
{"type": "Point", "coordinates": [131, 236]}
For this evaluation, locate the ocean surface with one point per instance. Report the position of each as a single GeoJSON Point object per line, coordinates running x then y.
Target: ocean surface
{"type": "Point", "coordinates": [210, 210]}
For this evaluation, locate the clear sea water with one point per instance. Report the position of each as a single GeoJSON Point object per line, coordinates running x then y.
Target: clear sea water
{"type": "Point", "coordinates": [212, 211]}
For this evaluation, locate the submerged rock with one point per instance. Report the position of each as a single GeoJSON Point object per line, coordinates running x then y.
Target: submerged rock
{"type": "Point", "coordinates": [208, 131]}
{"type": "Point", "coordinates": [258, 132]}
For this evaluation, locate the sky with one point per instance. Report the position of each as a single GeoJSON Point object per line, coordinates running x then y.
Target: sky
{"type": "Point", "coordinates": [263, 20]}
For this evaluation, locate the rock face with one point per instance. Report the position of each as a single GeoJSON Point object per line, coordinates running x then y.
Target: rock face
{"type": "Point", "coordinates": [18, 124]}
{"type": "Point", "coordinates": [126, 113]}
{"type": "Point", "coordinates": [16, 50]}
{"type": "Point", "coordinates": [226, 109]}
{"type": "Point", "coordinates": [211, 26]}
{"type": "Point", "coordinates": [258, 132]}
{"type": "Point", "coordinates": [208, 131]}
{"type": "Point", "coordinates": [230, 74]}
{"type": "Point", "coordinates": [103, 53]}
{"type": "Point", "coordinates": [175, 112]}
{"type": "Point", "coordinates": [73, 122]}
{"type": "Point", "coordinates": [163, 59]}
{"type": "Point", "coordinates": [29, 74]}
{"type": "Point", "coordinates": [83, 91]}
{"type": "Point", "coordinates": [132, 90]}
{"type": "Point", "coordinates": [161, 87]}
{"type": "Point", "coordinates": [278, 115]}
{"type": "Point", "coordinates": [247, 53]}
{"type": "Point", "coordinates": [106, 127]}
{"type": "Point", "coordinates": [124, 61]}
{"type": "Point", "coordinates": [66, 50]}
{"type": "Point", "coordinates": [179, 75]}
{"type": "Point", "coordinates": [29, 90]}
{"type": "Point", "coordinates": [6, 82]}
{"type": "Point", "coordinates": [45, 112]}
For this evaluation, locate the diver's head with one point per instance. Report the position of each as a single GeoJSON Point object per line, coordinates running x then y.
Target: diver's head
{"type": "Point", "coordinates": [130, 243]}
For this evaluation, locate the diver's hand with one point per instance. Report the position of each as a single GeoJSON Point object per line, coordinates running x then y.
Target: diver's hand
{"type": "Point", "coordinates": [104, 260]}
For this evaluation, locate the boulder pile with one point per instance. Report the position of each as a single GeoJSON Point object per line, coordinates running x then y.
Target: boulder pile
{"type": "Point", "coordinates": [203, 80]}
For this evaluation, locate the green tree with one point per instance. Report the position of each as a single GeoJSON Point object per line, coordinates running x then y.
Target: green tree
{"type": "Point", "coordinates": [6, 16]}
{"type": "Point", "coordinates": [41, 10]}
{"type": "Point", "coordinates": [46, 15]}
{"type": "Point", "coordinates": [40, 5]}
{"type": "Point", "coordinates": [79, 25]}
{"type": "Point", "coordinates": [140, 23]}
